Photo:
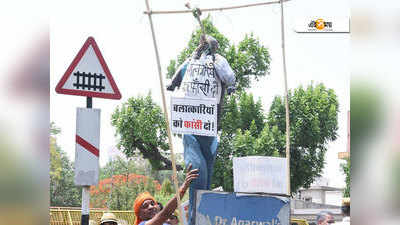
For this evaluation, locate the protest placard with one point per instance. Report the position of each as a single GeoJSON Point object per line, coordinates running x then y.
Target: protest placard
{"type": "Point", "coordinates": [194, 116]}
{"type": "Point", "coordinates": [260, 174]}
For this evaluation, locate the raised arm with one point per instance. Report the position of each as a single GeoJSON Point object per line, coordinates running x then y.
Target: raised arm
{"type": "Point", "coordinates": [172, 204]}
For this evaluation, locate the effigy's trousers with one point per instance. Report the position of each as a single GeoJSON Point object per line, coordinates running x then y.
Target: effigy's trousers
{"type": "Point", "coordinates": [200, 151]}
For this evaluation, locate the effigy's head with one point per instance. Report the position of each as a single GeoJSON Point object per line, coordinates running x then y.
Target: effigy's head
{"type": "Point", "coordinates": [212, 44]}
{"type": "Point", "coordinates": [207, 44]}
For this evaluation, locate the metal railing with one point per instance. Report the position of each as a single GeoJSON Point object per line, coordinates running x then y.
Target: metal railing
{"type": "Point", "coordinates": [65, 216]}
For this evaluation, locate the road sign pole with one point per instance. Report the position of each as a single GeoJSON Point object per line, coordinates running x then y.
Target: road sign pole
{"type": "Point", "coordinates": [86, 189]}
{"type": "Point", "coordinates": [85, 205]}
{"type": "Point", "coordinates": [88, 75]}
{"type": "Point", "coordinates": [89, 102]}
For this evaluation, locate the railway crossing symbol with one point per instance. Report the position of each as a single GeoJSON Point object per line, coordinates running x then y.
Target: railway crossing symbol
{"type": "Point", "coordinates": [88, 75]}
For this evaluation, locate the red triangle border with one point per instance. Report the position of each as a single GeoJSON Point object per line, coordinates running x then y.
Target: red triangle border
{"type": "Point", "coordinates": [77, 59]}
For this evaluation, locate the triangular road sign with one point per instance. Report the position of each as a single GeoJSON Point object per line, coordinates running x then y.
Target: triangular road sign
{"type": "Point", "coordinates": [88, 75]}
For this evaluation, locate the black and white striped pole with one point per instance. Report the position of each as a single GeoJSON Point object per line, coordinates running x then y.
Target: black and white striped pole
{"type": "Point", "coordinates": [85, 205]}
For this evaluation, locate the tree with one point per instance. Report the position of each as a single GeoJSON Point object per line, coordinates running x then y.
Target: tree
{"type": "Point", "coordinates": [313, 124]}
{"type": "Point", "coordinates": [245, 128]}
{"type": "Point", "coordinates": [245, 131]}
{"type": "Point", "coordinates": [346, 168]}
{"type": "Point", "coordinates": [120, 182]}
{"type": "Point", "coordinates": [249, 59]}
{"type": "Point", "coordinates": [120, 191]}
{"type": "Point", "coordinates": [139, 122]}
{"type": "Point", "coordinates": [63, 191]}
{"type": "Point", "coordinates": [119, 165]}
{"type": "Point", "coordinates": [142, 130]}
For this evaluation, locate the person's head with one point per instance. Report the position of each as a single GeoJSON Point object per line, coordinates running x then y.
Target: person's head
{"type": "Point", "coordinates": [173, 220]}
{"type": "Point", "coordinates": [145, 207]}
{"type": "Point", "coordinates": [325, 218]}
{"type": "Point", "coordinates": [346, 206]}
{"type": "Point", "coordinates": [108, 219]}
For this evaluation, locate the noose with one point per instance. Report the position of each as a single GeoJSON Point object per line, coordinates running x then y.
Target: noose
{"type": "Point", "coordinates": [197, 13]}
{"type": "Point", "coordinates": [203, 43]}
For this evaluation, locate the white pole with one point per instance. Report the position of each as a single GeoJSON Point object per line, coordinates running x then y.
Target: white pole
{"type": "Point", "coordinates": [85, 205]}
{"type": "Point", "coordinates": [174, 176]}
{"type": "Point", "coordinates": [286, 99]}
{"type": "Point", "coordinates": [86, 189]}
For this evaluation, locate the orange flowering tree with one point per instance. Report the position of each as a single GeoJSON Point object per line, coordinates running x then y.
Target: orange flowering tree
{"type": "Point", "coordinates": [119, 191]}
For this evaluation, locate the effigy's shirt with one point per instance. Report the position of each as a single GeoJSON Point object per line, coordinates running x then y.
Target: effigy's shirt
{"type": "Point", "coordinates": [203, 78]}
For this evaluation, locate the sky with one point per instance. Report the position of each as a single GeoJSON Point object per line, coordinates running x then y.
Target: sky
{"type": "Point", "coordinates": [122, 32]}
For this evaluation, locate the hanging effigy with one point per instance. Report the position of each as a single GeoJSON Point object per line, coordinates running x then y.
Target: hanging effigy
{"type": "Point", "coordinates": [202, 81]}
{"type": "Point", "coordinates": [200, 148]}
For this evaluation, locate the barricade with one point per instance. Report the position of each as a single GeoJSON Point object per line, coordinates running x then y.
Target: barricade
{"type": "Point", "coordinates": [72, 216]}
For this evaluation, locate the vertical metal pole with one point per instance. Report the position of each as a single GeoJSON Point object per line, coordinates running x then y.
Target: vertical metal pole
{"type": "Point", "coordinates": [89, 102]}
{"type": "Point", "coordinates": [174, 176]}
{"type": "Point", "coordinates": [86, 189]}
{"type": "Point", "coordinates": [286, 99]}
{"type": "Point", "coordinates": [85, 205]}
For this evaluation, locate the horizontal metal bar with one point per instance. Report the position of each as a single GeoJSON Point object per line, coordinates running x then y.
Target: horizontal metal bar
{"type": "Point", "coordinates": [213, 9]}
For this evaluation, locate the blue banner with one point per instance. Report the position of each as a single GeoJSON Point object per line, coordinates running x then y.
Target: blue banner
{"type": "Point", "coordinates": [221, 208]}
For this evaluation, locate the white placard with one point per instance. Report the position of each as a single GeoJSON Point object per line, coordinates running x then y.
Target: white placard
{"type": "Point", "coordinates": [260, 174]}
{"type": "Point", "coordinates": [322, 24]}
{"type": "Point", "coordinates": [87, 146]}
{"type": "Point", "coordinates": [194, 116]}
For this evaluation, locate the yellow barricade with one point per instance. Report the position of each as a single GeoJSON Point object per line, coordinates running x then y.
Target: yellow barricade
{"type": "Point", "coordinates": [65, 216]}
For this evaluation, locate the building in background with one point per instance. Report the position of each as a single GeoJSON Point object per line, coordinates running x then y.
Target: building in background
{"type": "Point", "coordinates": [307, 203]}
{"type": "Point", "coordinates": [321, 193]}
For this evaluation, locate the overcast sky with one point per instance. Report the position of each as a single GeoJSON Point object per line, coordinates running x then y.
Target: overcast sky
{"type": "Point", "coordinates": [123, 35]}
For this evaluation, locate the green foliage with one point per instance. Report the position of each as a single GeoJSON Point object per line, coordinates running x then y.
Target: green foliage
{"type": "Point", "coordinates": [164, 198]}
{"type": "Point", "coordinates": [53, 129]}
{"type": "Point", "coordinates": [246, 129]}
{"type": "Point", "coordinates": [150, 187]}
{"type": "Point", "coordinates": [55, 160]}
{"type": "Point", "coordinates": [122, 166]}
{"type": "Point", "coordinates": [313, 124]}
{"type": "Point", "coordinates": [120, 182]}
{"type": "Point", "coordinates": [141, 127]}
{"type": "Point", "coordinates": [63, 191]}
{"type": "Point", "coordinates": [194, 42]}
{"type": "Point", "coordinates": [346, 168]}
{"type": "Point", "coordinates": [245, 132]}
{"type": "Point", "coordinates": [122, 197]}
{"type": "Point", "coordinates": [166, 187]}
{"type": "Point", "coordinates": [249, 59]}
{"type": "Point", "coordinates": [123, 180]}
